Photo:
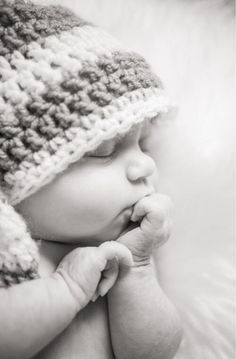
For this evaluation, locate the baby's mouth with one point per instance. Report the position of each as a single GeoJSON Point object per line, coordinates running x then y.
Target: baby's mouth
{"type": "Point", "coordinates": [128, 225]}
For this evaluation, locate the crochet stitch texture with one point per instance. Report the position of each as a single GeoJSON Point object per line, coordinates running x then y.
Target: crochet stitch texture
{"type": "Point", "coordinates": [65, 87]}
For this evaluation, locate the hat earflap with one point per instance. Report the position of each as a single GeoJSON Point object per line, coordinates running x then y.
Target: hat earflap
{"type": "Point", "coordinates": [19, 256]}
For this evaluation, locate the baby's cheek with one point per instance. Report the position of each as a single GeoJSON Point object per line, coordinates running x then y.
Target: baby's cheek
{"type": "Point", "coordinates": [89, 201]}
{"type": "Point", "coordinates": [87, 217]}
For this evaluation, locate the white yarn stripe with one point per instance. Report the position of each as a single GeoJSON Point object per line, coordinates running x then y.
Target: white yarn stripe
{"type": "Point", "coordinates": [68, 50]}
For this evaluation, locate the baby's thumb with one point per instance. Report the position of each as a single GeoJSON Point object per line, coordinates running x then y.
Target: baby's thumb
{"type": "Point", "coordinates": [109, 276]}
{"type": "Point", "coordinates": [114, 254]}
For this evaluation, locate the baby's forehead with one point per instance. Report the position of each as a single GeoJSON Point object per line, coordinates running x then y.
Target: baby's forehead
{"type": "Point", "coordinates": [143, 129]}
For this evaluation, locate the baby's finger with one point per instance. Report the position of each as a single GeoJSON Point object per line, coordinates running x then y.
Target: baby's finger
{"type": "Point", "coordinates": [112, 249]}
{"type": "Point", "coordinates": [109, 277]}
{"type": "Point", "coordinates": [155, 207]}
{"type": "Point", "coordinates": [164, 202]}
{"type": "Point", "coordinates": [95, 297]}
{"type": "Point", "coordinates": [146, 207]}
{"type": "Point", "coordinates": [164, 233]}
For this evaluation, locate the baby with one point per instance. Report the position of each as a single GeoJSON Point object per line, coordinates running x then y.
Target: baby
{"type": "Point", "coordinates": [79, 213]}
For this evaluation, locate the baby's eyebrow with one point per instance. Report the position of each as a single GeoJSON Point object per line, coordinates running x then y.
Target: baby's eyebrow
{"type": "Point", "coordinates": [145, 132]}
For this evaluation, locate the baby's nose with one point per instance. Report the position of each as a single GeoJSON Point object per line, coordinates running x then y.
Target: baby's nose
{"type": "Point", "coordinates": [140, 167]}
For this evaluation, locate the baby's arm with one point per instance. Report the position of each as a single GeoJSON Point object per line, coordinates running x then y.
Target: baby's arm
{"type": "Point", "coordinates": [143, 322]}
{"type": "Point", "coordinates": [34, 313]}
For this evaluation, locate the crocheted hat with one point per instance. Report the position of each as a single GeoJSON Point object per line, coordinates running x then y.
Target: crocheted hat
{"type": "Point", "coordinates": [65, 86]}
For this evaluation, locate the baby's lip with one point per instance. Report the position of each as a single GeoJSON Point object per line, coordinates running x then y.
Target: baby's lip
{"type": "Point", "coordinates": [127, 212]}
{"type": "Point", "coordinates": [125, 215]}
{"type": "Point", "coordinates": [128, 209]}
{"type": "Point", "coordinates": [149, 192]}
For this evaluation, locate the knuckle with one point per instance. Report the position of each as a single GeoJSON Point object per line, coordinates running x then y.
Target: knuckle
{"type": "Point", "coordinates": [167, 231]}
{"type": "Point", "coordinates": [164, 232]}
{"type": "Point", "coordinates": [160, 214]}
{"type": "Point", "coordinates": [164, 200]}
{"type": "Point", "coordinates": [105, 244]}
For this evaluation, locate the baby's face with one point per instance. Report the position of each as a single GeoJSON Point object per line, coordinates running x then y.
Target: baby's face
{"type": "Point", "coordinates": [90, 202]}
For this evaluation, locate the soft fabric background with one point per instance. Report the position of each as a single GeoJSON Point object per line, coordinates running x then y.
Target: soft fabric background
{"type": "Point", "coordinates": [190, 44]}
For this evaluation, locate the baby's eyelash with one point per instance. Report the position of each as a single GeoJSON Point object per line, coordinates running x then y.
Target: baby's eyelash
{"type": "Point", "coordinates": [103, 153]}
{"type": "Point", "coordinates": [107, 152]}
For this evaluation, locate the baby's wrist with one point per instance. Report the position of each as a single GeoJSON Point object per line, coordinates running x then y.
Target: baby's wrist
{"type": "Point", "coordinates": [60, 278]}
{"type": "Point", "coordinates": [142, 267]}
{"type": "Point", "coordinates": [139, 273]}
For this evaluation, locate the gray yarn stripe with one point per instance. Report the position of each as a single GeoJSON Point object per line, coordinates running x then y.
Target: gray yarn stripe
{"type": "Point", "coordinates": [22, 23]}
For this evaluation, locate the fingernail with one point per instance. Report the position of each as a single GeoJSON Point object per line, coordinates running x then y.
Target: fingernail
{"type": "Point", "coordinates": [101, 293]}
{"type": "Point", "coordinates": [95, 297]}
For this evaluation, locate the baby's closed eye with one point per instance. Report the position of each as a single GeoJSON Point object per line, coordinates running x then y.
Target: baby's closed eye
{"type": "Point", "coordinates": [106, 149]}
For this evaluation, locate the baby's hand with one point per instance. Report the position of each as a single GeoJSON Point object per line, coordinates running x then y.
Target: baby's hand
{"type": "Point", "coordinates": [151, 229]}
{"type": "Point", "coordinates": [92, 271]}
